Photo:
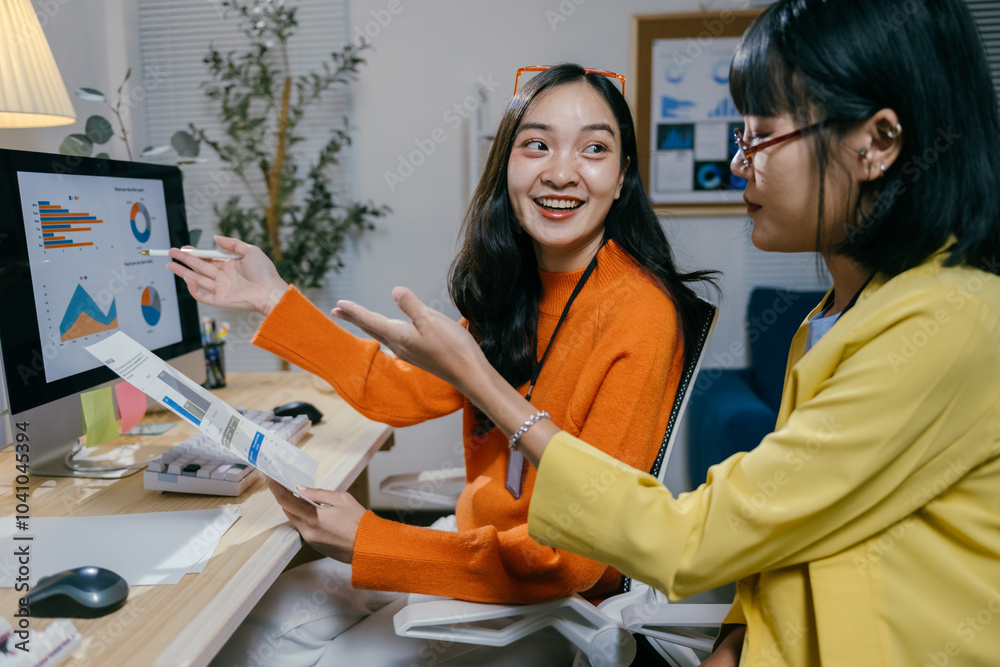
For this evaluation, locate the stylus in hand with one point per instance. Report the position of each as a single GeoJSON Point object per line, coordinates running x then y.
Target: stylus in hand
{"type": "Point", "coordinates": [194, 252]}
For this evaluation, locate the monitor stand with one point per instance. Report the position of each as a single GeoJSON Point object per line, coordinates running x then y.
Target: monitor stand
{"type": "Point", "coordinates": [67, 462]}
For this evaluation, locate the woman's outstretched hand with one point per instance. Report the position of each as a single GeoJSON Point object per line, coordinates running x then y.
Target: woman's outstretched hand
{"type": "Point", "coordinates": [444, 347]}
{"type": "Point", "coordinates": [430, 340]}
{"type": "Point", "coordinates": [250, 283]}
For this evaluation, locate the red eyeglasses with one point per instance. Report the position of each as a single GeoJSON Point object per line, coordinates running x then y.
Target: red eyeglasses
{"type": "Point", "coordinates": [613, 75]}
{"type": "Point", "coordinates": [745, 151]}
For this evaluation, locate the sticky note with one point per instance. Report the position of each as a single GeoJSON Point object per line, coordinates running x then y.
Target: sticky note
{"type": "Point", "coordinates": [131, 405]}
{"type": "Point", "coordinates": [99, 416]}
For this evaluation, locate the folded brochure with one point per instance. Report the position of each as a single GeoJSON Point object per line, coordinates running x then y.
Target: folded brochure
{"type": "Point", "coordinates": [273, 456]}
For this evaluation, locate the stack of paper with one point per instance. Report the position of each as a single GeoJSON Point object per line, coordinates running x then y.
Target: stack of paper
{"type": "Point", "coordinates": [145, 549]}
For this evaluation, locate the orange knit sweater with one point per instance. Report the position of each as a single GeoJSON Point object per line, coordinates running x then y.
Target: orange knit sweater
{"type": "Point", "coordinates": [609, 379]}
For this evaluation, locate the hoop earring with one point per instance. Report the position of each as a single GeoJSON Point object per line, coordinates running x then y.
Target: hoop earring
{"type": "Point", "coordinates": [895, 131]}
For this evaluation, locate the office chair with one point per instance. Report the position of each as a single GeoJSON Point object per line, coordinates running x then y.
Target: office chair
{"type": "Point", "coordinates": [610, 634]}
{"type": "Point", "coordinates": [437, 488]}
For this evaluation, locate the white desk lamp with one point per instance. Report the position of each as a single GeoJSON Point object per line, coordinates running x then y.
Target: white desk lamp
{"type": "Point", "coordinates": [32, 92]}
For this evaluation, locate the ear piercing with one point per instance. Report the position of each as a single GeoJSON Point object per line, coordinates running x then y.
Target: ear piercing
{"type": "Point", "coordinates": [893, 132]}
{"type": "Point", "coordinates": [864, 153]}
{"type": "Point", "coordinates": [890, 132]}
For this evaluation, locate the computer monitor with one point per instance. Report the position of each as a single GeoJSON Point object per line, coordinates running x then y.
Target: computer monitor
{"type": "Point", "coordinates": [71, 229]}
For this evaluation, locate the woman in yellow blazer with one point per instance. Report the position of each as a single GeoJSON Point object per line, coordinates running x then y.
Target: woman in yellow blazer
{"type": "Point", "coordinates": [865, 530]}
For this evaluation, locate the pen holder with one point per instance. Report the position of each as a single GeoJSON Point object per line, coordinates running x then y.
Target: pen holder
{"type": "Point", "coordinates": [215, 365]}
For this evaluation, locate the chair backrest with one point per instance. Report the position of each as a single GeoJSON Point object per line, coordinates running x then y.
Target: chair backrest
{"type": "Point", "coordinates": [707, 314]}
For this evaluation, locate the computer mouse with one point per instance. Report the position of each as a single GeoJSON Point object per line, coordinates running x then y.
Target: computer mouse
{"type": "Point", "coordinates": [299, 408]}
{"type": "Point", "coordinates": [83, 592]}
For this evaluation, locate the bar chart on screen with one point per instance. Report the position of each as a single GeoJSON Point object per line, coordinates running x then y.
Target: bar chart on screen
{"type": "Point", "coordinates": [64, 226]}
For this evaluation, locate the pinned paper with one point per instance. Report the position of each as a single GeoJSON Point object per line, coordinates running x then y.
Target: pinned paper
{"type": "Point", "coordinates": [99, 416]}
{"type": "Point", "coordinates": [131, 405]}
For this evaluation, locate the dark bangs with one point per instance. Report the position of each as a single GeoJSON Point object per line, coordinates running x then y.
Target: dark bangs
{"type": "Point", "coordinates": [760, 82]}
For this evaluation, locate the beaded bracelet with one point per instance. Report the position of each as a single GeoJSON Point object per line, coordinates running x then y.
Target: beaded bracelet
{"type": "Point", "coordinates": [528, 423]}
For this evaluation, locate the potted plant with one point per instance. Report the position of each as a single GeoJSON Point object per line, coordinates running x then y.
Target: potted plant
{"type": "Point", "coordinates": [294, 212]}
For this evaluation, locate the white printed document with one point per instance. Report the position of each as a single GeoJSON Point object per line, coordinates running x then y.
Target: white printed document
{"type": "Point", "coordinates": [146, 549]}
{"type": "Point", "coordinates": [273, 456]}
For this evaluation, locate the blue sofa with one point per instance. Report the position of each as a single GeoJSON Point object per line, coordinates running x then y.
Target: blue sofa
{"type": "Point", "coordinates": [731, 410]}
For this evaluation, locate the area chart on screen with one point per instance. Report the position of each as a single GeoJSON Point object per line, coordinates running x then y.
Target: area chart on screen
{"type": "Point", "coordinates": [84, 317]}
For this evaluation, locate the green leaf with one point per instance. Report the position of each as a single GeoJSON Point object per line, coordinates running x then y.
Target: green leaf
{"type": "Point", "coordinates": [185, 144]}
{"type": "Point", "coordinates": [76, 144]}
{"type": "Point", "coordinates": [99, 129]}
{"type": "Point", "coordinates": [91, 95]}
{"type": "Point", "coordinates": [154, 150]}
{"type": "Point", "coordinates": [128, 73]}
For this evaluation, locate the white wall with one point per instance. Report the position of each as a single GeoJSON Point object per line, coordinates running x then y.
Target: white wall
{"type": "Point", "coordinates": [426, 57]}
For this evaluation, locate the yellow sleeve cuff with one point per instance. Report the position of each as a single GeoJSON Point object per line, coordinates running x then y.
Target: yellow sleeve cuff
{"type": "Point", "coordinates": [570, 507]}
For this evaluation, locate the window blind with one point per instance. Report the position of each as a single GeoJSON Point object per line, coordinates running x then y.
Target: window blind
{"type": "Point", "coordinates": [173, 39]}
{"type": "Point", "coordinates": [987, 16]}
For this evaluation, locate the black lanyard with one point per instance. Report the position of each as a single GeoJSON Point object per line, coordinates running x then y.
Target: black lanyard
{"type": "Point", "coordinates": [536, 371]}
{"type": "Point", "coordinates": [854, 299]}
{"type": "Point", "coordinates": [515, 463]}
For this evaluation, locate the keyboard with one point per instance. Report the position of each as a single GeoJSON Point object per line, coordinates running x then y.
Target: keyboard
{"type": "Point", "coordinates": [49, 647]}
{"type": "Point", "coordinates": [200, 465]}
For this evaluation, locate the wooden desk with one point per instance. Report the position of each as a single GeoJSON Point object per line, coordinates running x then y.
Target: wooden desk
{"type": "Point", "coordinates": [186, 623]}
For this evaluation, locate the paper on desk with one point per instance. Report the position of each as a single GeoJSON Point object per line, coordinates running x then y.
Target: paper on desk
{"type": "Point", "coordinates": [273, 456]}
{"type": "Point", "coordinates": [145, 549]}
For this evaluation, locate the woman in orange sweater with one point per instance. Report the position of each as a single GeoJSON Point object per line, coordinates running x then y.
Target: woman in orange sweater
{"type": "Point", "coordinates": [567, 282]}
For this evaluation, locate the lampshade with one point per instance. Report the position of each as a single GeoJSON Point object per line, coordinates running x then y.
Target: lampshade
{"type": "Point", "coordinates": [32, 92]}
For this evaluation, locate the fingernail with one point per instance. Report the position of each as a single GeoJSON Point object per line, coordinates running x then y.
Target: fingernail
{"type": "Point", "coordinates": [299, 487]}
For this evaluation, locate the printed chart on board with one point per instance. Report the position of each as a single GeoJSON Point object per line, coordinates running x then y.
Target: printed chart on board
{"type": "Point", "coordinates": [693, 118]}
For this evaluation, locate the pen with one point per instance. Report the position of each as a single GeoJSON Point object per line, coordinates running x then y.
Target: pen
{"type": "Point", "coordinates": [194, 252]}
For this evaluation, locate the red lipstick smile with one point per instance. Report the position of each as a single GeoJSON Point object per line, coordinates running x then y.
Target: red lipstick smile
{"type": "Point", "coordinates": [555, 207]}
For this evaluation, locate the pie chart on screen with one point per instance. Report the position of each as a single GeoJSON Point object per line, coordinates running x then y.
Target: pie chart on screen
{"type": "Point", "coordinates": [138, 212]}
{"type": "Point", "coordinates": [150, 306]}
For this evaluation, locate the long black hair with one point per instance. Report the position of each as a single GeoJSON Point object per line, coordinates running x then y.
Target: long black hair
{"type": "Point", "coordinates": [841, 61]}
{"type": "Point", "coordinates": [494, 278]}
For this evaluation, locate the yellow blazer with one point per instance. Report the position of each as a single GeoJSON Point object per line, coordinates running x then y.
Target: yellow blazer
{"type": "Point", "coordinates": [866, 529]}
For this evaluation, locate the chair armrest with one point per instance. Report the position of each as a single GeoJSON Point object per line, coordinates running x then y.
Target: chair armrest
{"type": "Point", "coordinates": [590, 630]}
{"type": "Point", "coordinates": [676, 623]}
{"type": "Point", "coordinates": [429, 486]}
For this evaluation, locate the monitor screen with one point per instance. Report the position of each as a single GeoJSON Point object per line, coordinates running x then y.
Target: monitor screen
{"type": "Point", "coordinates": [71, 229]}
